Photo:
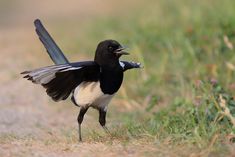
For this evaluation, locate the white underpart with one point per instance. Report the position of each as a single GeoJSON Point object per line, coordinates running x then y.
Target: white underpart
{"type": "Point", "coordinates": [122, 64]}
{"type": "Point", "coordinates": [90, 94]}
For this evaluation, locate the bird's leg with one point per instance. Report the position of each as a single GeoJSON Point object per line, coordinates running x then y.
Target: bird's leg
{"type": "Point", "coordinates": [82, 112]}
{"type": "Point", "coordinates": [102, 119]}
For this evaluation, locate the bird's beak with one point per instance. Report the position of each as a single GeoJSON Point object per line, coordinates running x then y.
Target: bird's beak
{"type": "Point", "coordinates": [120, 51]}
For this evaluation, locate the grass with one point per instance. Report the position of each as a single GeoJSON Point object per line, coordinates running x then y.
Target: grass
{"type": "Point", "coordinates": [187, 50]}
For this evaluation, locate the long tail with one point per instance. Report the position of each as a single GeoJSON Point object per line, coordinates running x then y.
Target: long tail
{"type": "Point", "coordinates": [53, 50]}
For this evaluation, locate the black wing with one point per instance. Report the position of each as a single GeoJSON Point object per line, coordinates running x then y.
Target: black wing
{"type": "Point", "coordinates": [53, 50]}
{"type": "Point", "coordinates": [130, 65]}
{"type": "Point", "coordinates": [61, 80]}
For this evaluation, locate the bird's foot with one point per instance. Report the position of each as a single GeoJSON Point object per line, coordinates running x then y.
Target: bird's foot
{"type": "Point", "coordinates": [106, 130]}
{"type": "Point", "coordinates": [80, 140]}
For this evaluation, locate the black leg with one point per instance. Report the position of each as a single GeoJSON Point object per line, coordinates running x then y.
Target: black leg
{"type": "Point", "coordinates": [102, 119]}
{"type": "Point", "coordinates": [80, 119]}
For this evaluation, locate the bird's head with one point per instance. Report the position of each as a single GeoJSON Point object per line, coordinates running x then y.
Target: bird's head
{"type": "Point", "coordinates": [108, 52]}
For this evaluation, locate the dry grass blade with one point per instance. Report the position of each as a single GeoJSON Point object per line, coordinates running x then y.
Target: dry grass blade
{"type": "Point", "coordinates": [226, 110]}
{"type": "Point", "coordinates": [228, 42]}
{"type": "Point", "coordinates": [230, 66]}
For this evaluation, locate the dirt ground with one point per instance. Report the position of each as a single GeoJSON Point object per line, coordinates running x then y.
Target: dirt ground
{"type": "Point", "coordinates": [30, 123]}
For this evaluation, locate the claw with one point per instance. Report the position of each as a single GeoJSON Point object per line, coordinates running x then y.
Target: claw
{"type": "Point", "coordinates": [106, 130]}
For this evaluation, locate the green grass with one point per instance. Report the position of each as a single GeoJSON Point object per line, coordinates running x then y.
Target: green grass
{"type": "Point", "coordinates": [183, 49]}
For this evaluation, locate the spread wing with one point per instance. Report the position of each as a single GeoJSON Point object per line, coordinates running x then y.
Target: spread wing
{"type": "Point", "coordinates": [53, 50]}
{"type": "Point", "coordinates": [60, 80]}
{"type": "Point", "coordinates": [130, 65]}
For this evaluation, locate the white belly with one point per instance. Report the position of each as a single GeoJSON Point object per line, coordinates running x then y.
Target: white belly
{"type": "Point", "coordinates": [90, 94]}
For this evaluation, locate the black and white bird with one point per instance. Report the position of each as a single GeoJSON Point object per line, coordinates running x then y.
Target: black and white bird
{"type": "Point", "coordinates": [90, 83]}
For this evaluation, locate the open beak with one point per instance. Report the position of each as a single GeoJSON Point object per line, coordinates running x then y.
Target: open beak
{"type": "Point", "coordinates": [120, 51]}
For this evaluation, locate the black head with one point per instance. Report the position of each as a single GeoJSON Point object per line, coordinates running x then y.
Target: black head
{"type": "Point", "coordinates": [108, 52]}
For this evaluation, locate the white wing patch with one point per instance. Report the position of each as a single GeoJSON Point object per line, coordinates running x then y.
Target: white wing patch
{"type": "Point", "coordinates": [122, 64]}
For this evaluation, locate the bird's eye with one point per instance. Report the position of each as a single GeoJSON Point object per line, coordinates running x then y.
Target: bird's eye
{"type": "Point", "coordinates": [110, 48]}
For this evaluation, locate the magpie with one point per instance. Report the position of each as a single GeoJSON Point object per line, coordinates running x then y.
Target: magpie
{"type": "Point", "coordinates": [89, 83]}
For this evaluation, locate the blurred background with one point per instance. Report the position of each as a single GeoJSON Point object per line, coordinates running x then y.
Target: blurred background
{"type": "Point", "coordinates": [174, 106]}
